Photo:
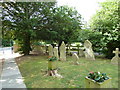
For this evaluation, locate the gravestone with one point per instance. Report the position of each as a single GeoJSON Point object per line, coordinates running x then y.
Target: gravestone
{"type": "Point", "coordinates": [81, 53]}
{"type": "Point", "coordinates": [89, 54]}
{"type": "Point", "coordinates": [76, 58]}
{"type": "Point", "coordinates": [63, 51]}
{"type": "Point", "coordinates": [116, 57]}
{"type": "Point", "coordinates": [50, 49]}
{"type": "Point", "coordinates": [41, 49]}
{"type": "Point", "coordinates": [56, 52]}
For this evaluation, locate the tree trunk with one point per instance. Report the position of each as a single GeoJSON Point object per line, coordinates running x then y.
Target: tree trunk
{"type": "Point", "coordinates": [59, 47]}
{"type": "Point", "coordinates": [26, 45]}
{"type": "Point", "coordinates": [111, 46]}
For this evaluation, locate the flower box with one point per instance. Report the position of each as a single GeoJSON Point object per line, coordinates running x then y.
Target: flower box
{"type": "Point", "coordinates": [93, 84]}
{"type": "Point", "coordinates": [97, 80]}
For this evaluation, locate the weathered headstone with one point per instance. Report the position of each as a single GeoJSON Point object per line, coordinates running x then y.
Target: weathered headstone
{"type": "Point", "coordinates": [89, 54]}
{"type": "Point", "coordinates": [63, 51]}
{"type": "Point", "coordinates": [56, 52]}
{"type": "Point", "coordinates": [41, 49]}
{"type": "Point", "coordinates": [81, 52]}
{"type": "Point", "coordinates": [50, 49]}
{"type": "Point", "coordinates": [116, 57]}
{"type": "Point", "coordinates": [44, 49]}
{"type": "Point", "coordinates": [76, 58]}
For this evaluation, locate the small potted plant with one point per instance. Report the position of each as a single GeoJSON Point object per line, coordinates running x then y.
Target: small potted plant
{"type": "Point", "coordinates": [97, 80]}
{"type": "Point", "coordinates": [52, 63]}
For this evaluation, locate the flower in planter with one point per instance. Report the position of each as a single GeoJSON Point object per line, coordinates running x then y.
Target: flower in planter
{"type": "Point", "coordinates": [52, 58]}
{"type": "Point", "coordinates": [97, 76]}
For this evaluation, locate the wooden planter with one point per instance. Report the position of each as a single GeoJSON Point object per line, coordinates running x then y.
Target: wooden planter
{"type": "Point", "coordinates": [92, 84]}
{"type": "Point", "coordinates": [51, 65]}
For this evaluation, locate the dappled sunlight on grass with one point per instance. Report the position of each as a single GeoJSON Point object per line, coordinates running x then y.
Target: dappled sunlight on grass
{"type": "Point", "coordinates": [34, 68]}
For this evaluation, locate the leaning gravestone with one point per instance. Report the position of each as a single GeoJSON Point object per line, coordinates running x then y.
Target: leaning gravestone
{"type": "Point", "coordinates": [56, 52]}
{"type": "Point", "coordinates": [50, 49]}
{"type": "Point", "coordinates": [76, 58]}
{"type": "Point", "coordinates": [63, 51]}
{"type": "Point", "coordinates": [89, 54]}
{"type": "Point", "coordinates": [116, 57]}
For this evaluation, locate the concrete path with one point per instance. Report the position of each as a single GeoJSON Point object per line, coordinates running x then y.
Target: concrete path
{"type": "Point", "coordinates": [11, 76]}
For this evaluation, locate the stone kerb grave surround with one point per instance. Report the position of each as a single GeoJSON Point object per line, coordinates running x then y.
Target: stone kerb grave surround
{"type": "Point", "coordinates": [89, 54]}
{"type": "Point", "coordinates": [50, 49]}
{"type": "Point", "coordinates": [63, 51]}
{"type": "Point", "coordinates": [40, 49]}
{"type": "Point", "coordinates": [116, 57]}
{"type": "Point", "coordinates": [75, 58]}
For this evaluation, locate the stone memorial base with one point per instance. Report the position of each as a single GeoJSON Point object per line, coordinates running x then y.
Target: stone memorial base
{"type": "Point", "coordinates": [53, 73]}
{"type": "Point", "coordinates": [76, 63]}
{"type": "Point", "coordinates": [115, 60]}
{"type": "Point", "coordinates": [92, 84]}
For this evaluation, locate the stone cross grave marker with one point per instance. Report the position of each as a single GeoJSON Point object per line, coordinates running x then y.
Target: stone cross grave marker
{"type": "Point", "coordinates": [116, 57]}
{"type": "Point", "coordinates": [63, 51]}
{"type": "Point", "coordinates": [76, 58]}
{"type": "Point", "coordinates": [56, 52]}
{"type": "Point", "coordinates": [89, 54]}
{"type": "Point", "coordinates": [50, 49]}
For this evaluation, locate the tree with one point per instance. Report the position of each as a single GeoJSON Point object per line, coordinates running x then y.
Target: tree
{"type": "Point", "coordinates": [93, 36]}
{"type": "Point", "coordinates": [64, 24]}
{"type": "Point", "coordinates": [107, 21]}
{"type": "Point", "coordinates": [40, 21]}
{"type": "Point", "coordinates": [22, 19]}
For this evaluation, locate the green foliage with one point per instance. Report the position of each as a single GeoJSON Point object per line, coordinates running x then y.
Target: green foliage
{"type": "Point", "coordinates": [52, 58]}
{"type": "Point", "coordinates": [7, 42]}
{"type": "Point", "coordinates": [65, 25]}
{"type": "Point", "coordinates": [98, 77]}
{"type": "Point", "coordinates": [31, 21]}
{"type": "Point", "coordinates": [107, 21]}
{"type": "Point", "coordinates": [94, 37]}
{"type": "Point", "coordinates": [24, 19]}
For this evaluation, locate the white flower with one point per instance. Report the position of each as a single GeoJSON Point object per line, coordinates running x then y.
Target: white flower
{"type": "Point", "coordinates": [98, 72]}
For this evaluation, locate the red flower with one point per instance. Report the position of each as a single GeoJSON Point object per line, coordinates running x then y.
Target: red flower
{"type": "Point", "coordinates": [92, 72]}
{"type": "Point", "coordinates": [49, 56]}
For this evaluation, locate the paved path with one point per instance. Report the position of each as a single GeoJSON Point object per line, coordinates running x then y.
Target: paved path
{"type": "Point", "coordinates": [11, 76]}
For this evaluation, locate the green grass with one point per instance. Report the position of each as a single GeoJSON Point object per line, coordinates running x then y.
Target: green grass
{"type": "Point", "coordinates": [33, 67]}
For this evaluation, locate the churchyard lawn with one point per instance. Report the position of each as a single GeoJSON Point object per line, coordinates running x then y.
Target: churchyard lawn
{"type": "Point", "coordinates": [33, 68]}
